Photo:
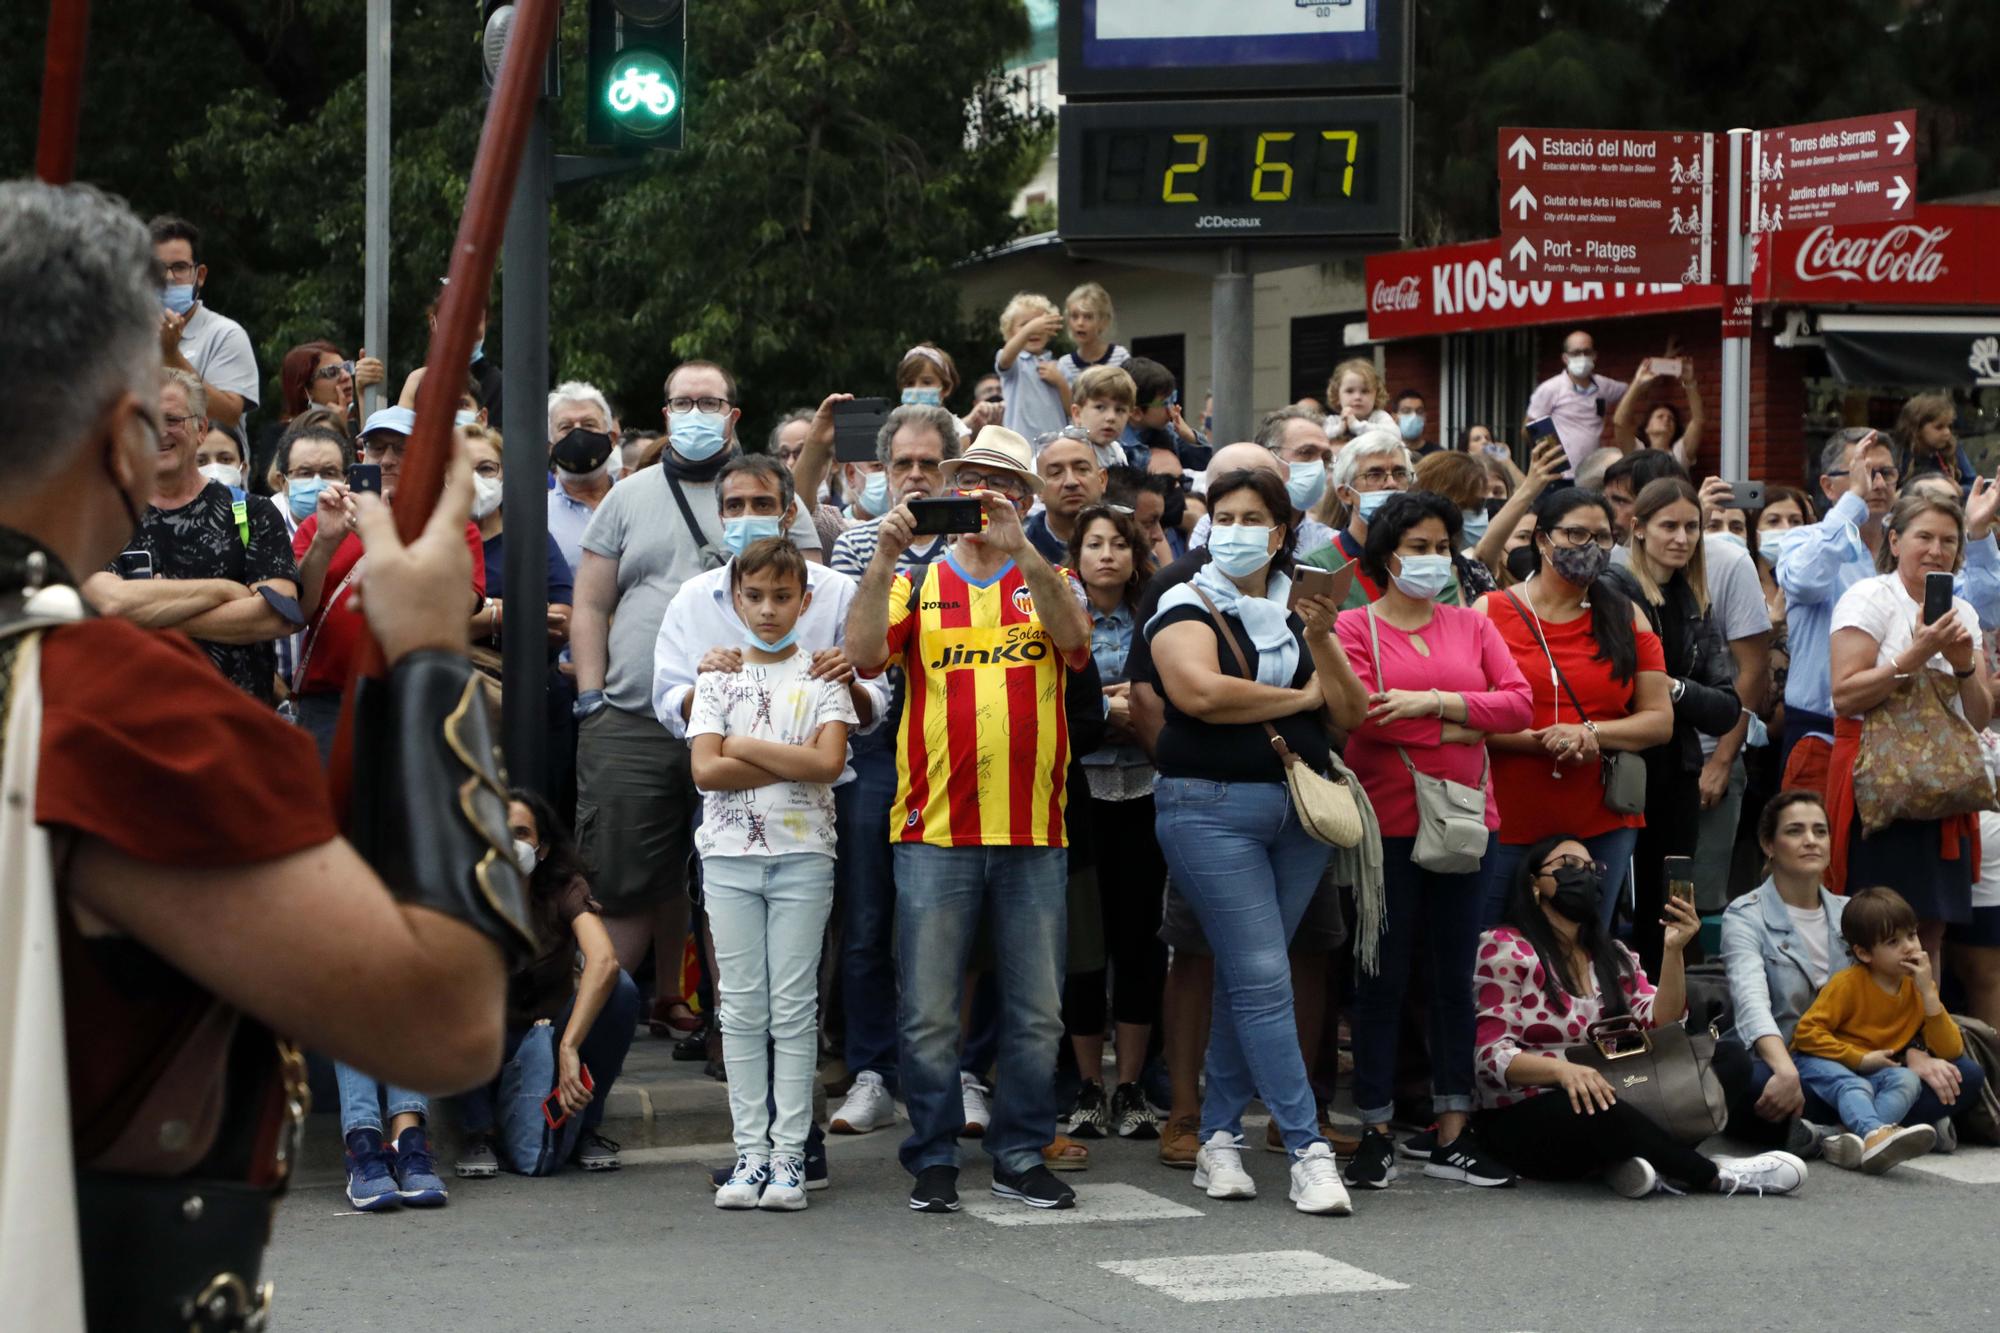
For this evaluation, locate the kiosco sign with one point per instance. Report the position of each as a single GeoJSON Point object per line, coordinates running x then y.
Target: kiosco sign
{"type": "Point", "coordinates": [1456, 288]}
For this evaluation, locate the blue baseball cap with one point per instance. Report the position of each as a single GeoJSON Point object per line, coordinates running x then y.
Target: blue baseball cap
{"type": "Point", "coordinates": [401, 420]}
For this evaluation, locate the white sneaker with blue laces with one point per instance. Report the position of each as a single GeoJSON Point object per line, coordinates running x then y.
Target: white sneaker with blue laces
{"type": "Point", "coordinates": [745, 1185]}
{"type": "Point", "coordinates": [786, 1192]}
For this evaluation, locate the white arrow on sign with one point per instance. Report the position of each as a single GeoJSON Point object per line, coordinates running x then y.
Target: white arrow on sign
{"type": "Point", "coordinates": [1522, 252]}
{"type": "Point", "coordinates": [1899, 138]}
{"type": "Point", "coordinates": [1520, 150]}
{"type": "Point", "coordinates": [1523, 201]}
{"type": "Point", "coordinates": [1899, 193]}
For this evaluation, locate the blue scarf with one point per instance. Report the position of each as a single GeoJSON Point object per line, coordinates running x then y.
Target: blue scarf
{"type": "Point", "coordinates": [1264, 618]}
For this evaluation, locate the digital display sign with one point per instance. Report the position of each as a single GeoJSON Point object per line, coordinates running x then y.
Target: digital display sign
{"type": "Point", "coordinates": [1233, 170]}
{"type": "Point", "coordinates": [1158, 47]}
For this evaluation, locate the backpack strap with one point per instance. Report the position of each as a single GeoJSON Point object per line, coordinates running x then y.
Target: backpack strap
{"type": "Point", "coordinates": [239, 509]}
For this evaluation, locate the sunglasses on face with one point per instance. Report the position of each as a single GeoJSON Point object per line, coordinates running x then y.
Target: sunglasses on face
{"type": "Point", "coordinates": [334, 371]}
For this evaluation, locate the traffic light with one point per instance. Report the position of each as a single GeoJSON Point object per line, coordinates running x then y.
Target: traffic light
{"type": "Point", "coordinates": [636, 90]}
{"type": "Point", "coordinates": [496, 23]}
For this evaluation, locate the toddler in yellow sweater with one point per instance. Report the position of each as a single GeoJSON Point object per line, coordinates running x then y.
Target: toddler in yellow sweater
{"type": "Point", "coordinates": [1849, 1041]}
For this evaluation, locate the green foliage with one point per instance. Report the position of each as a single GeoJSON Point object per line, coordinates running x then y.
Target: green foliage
{"type": "Point", "coordinates": [803, 238]}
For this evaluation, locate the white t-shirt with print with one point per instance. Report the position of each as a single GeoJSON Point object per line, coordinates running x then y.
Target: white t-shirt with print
{"type": "Point", "coordinates": [1885, 610]}
{"type": "Point", "coordinates": [778, 702]}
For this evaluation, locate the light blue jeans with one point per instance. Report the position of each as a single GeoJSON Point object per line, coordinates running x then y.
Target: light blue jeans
{"type": "Point", "coordinates": [1238, 855]}
{"type": "Point", "coordinates": [1864, 1102]}
{"type": "Point", "coordinates": [1614, 849]}
{"type": "Point", "coordinates": [941, 895]}
{"type": "Point", "coordinates": [767, 915]}
{"type": "Point", "coordinates": [361, 1099]}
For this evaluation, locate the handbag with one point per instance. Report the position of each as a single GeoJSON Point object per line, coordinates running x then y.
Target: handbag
{"type": "Point", "coordinates": [1451, 817]}
{"type": "Point", "coordinates": [1663, 1073]}
{"type": "Point", "coordinates": [1918, 759]}
{"type": "Point", "coordinates": [1325, 808]}
{"type": "Point", "coordinates": [1622, 772]}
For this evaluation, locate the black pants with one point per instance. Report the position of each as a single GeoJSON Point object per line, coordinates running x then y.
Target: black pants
{"type": "Point", "coordinates": [1131, 889]}
{"type": "Point", "coordinates": [1673, 826]}
{"type": "Point", "coordinates": [1544, 1138]}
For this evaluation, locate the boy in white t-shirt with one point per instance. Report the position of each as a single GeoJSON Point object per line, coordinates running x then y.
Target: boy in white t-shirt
{"type": "Point", "coordinates": [767, 743]}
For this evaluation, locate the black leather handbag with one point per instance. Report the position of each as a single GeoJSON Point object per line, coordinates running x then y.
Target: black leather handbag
{"type": "Point", "coordinates": [1662, 1072]}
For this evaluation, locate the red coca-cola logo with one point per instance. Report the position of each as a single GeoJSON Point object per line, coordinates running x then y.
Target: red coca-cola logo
{"type": "Point", "coordinates": [1906, 253]}
{"type": "Point", "coordinates": [1400, 295]}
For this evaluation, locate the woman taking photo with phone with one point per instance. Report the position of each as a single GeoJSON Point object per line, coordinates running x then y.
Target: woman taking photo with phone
{"type": "Point", "coordinates": [1440, 678]}
{"type": "Point", "coordinates": [1231, 659]}
{"type": "Point", "coordinates": [1885, 648]}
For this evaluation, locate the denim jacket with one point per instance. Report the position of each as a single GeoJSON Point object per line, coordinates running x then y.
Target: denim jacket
{"type": "Point", "coordinates": [1769, 985]}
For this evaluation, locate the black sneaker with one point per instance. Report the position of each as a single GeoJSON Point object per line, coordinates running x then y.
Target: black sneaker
{"type": "Point", "coordinates": [1463, 1159]}
{"type": "Point", "coordinates": [1037, 1187]}
{"type": "Point", "coordinates": [936, 1190]}
{"type": "Point", "coordinates": [1374, 1164]}
{"type": "Point", "coordinates": [1802, 1140]}
{"type": "Point", "coordinates": [1419, 1146]}
{"type": "Point", "coordinates": [594, 1152]}
{"type": "Point", "coordinates": [1131, 1117]}
{"type": "Point", "coordinates": [1089, 1118]}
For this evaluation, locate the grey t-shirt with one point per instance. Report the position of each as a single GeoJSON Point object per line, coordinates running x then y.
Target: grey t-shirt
{"type": "Point", "coordinates": [220, 352]}
{"type": "Point", "coordinates": [640, 526]}
{"type": "Point", "coordinates": [1735, 597]}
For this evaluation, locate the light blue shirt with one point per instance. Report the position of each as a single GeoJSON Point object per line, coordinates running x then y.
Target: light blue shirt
{"type": "Point", "coordinates": [1110, 643]}
{"type": "Point", "coordinates": [1827, 558]}
{"type": "Point", "coordinates": [568, 517]}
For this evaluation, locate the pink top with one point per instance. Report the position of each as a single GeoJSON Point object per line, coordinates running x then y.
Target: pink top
{"type": "Point", "coordinates": [1466, 656]}
{"type": "Point", "coordinates": [1511, 1014]}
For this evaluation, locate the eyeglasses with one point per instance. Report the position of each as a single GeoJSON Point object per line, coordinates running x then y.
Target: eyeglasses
{"type": "Point", "coordinates": [968, 480]}
{"type": "Point", "coordinates": [334, 371]}
{"type": "Point", "coordinates": [683, 406]}
{"type": "Point", "coordinates": [303, 473]}
{"type": "Point", "coordinates": [1573, 863]}
{"type": "Point", "coordinates": [1573, 535]}
{"type": "Point", "coordinates": [1376, 478]}
{"type": "Point", "coordinates": [180, 269]}
{"type": "Point", "coordinates": [177, 423]}
{"type": "Point", "coordinates": [390, 445]}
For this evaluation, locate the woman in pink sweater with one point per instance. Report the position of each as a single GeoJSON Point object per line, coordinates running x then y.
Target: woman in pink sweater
{"type": "Point", "coordinates": [1441, 679]}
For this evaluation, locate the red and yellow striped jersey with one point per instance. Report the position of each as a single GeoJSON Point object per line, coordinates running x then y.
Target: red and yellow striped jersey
{"type": "Point", "coordinates": [984, 743]}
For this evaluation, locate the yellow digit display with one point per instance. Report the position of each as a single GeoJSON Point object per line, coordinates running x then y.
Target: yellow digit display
{"type": "Point", "coordinates": [1352, 140]}
{"type": "Point", "coordinates": [1283, 170]}
{"type": "Point", "coordinates": [1167, 190]}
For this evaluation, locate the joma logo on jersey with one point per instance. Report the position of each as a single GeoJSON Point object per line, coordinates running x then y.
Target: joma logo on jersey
{"type": "Point", "coordinates": [1006, 645]}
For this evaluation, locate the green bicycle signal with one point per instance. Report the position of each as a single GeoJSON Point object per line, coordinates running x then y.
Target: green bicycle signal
{"type": "Point", "coordinates": [642, 93]}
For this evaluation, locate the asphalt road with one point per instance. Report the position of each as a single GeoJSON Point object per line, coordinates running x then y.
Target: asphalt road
{"type": "Point", "coordinates": [645, 1249]}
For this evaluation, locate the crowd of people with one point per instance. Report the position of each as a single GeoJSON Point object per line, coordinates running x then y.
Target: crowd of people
{"type": "Point", "coordinates": [1025, 774]}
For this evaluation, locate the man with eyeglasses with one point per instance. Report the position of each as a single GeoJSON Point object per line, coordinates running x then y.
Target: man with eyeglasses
{"type": "Point", "coordinates": [216, 563]}
{"type": "Point", "coordinates": [1372, 467]}
{"type": "Point", "coordinates": [196, 339]}
{"type": "Point", "coordinates": [1815, 564]}
{"type": "Point", "coordinates": [635, 798]}
{"type": "Point", "coordinates": [985, 638]}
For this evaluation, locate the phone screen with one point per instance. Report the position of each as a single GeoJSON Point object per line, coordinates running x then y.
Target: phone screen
{"type": "Point", "coordinates": [1679, 871]}
{"type": "Point", "coordinates": [1937, 596]}
{"type": "Point", "coordinates": [951, 514]}
{"type": "Point", "coordinates": [855, 426]}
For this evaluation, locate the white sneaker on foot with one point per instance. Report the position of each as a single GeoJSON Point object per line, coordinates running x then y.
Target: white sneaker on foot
{"type": "Point", "coordinates": [1316, 1186]}
{"type": "Point", "coordinates": [1947, 1135]}
{"type": "Point", "coordinates": [787, 1191]}
{"type": "Point", "coordinates": [1843, 1150]}
{"type": "Point", "coordinates": [868, 1106]}
{"type": "Point", "coordinates": [1634, 1178]}
{"type": "Point", "coordinates": [978, 1112]}
{"type": "Point", "coordinates": [1766, 1173]}
{"type": "Point", "coordinates": [746, 1183]}
{"type": "Point", "coordinates": [1218, 1168]}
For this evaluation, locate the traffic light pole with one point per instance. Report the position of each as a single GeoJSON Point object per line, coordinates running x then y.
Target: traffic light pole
{"type": "Point", "coordinates": [524, 329]}
{"type": "Point", "coordinates": [1232, 329]}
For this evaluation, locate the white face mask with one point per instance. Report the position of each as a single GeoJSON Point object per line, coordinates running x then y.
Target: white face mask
{"type": "Point", "coordinates": [1580, 365]}
{"type": "Point", "coordinates": [525, 855]}
{"type": "Point", "coordinates": [485, 495]}
{"type": "Point", "coordinates": [222, 472]}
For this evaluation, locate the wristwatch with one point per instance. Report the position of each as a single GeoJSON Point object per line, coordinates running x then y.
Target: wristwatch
{"type": "Point", "coordinates": [1678, 688]}
{"type": "Point", "coordinates": [587, 703]}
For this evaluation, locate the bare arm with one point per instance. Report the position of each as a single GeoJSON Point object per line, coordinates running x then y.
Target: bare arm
{"type": "Point", "coordinates": [590, 619]}
{"type": "Point", "coordinates": [1184, 657]}
{"type": "Point", "coordinates": [816, 459]}
{"type": "Point", "coordinates": [867, 640]}
{"type": "Point", "coordinates": [600, 974]}
{"type": "Point", "coordinates": [159, 603]}
{"type": "Point", "coordinates": [314, 946]}
{"type": "Point", "coordinates": [1346, 698]}
{"type": "Point", "coordinates": [1689, 446]}
{"type": "Point", "coordinates": [713, 772]}
{"type": "Point", "coordinates": [819, 760]}
{"type": "Point", "coordinates": [1061, 614]}
{"type": "Point", "coordinates": [246, 619]}
{"type": "Point", "coordinates": [1651, 721]}
{"type": "Point", "coordinates": [1148, 715]}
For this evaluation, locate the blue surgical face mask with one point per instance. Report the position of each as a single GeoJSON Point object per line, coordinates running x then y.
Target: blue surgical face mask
{"type": "Point", "coordinates": [1367, 502]}
{"type": "Point", "coordinates": [918, 397]}
{"type": "Point", "coordinates": [478, 349]}
{"type": "Point", "coordinates": [738, 533]}
{"type": "Point", "coordinates": [303, 496]}
{"type": "Point", "coordinates": [1240, 550]}
{"type": "Point", "coordinates": [1306, 483]}
{"type": "Point", "coordinates": [875, 492]}
{"type": "Point", "coordinates": [463, 418]}
{"type": "Point", "coordinates": [178, 297]}
{"type": "Point", "coordinates": [1772, 544]}
{"type": "Point", "coordinates": [1475, 521]}
{"type": "Point", "coordinates": [750, 640]}
{"type": "Point", "coordinates": [698, 436]}
{"type": "Point", "coordinates": [1422, 576]}
{"type": "Point", "coordinates": [1724, 536]}
{"type": "Point", "coordinates": [1412, 425]}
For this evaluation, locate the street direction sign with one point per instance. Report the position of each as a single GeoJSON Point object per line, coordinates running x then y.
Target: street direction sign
{"type": "Point", "coordinates": [1632, 205]}
{"type": "Point", "coordinates": [1835, 172]}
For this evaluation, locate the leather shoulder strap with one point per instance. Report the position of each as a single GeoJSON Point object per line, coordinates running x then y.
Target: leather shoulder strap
{"type": "Point", "coordinates": [1243, 664]}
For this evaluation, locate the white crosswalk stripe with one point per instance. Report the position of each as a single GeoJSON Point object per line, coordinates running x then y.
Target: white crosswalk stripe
{"type": "Point", "coordinates": [1968, 1168]}
{"type": "Point", "coordinates": [1235, 1277]}
{"type": "Point", "coordinates": [1094, 1203]}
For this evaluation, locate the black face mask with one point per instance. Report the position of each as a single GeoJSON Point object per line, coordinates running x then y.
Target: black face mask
{"type": "Point", "coordinates": [1522, 563]}
{"type": "Point", "coordinates": [1494, 504]}
{"type": "Point", "coordinates": [1578, 893]}
{"type": "Point", "coordinates": [1173, 508]}
{"type": "Point", "coordinates": [583, 450]}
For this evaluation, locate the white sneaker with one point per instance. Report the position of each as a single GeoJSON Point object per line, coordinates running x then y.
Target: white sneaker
{"type": "Point", "coordinates": [787, 1191]}
{"type": "Point", "coordinates": [978, 1112]}
{"type": "Point", "coordinates": [1316, 1186]}
{"type": "Point", "coordinates": [1843, 1150]}
{"type": "Point", "coordinates": [746, 1183]}
{"type": "Point", "coordinates": [1634, 1178]}
{"type": "Point", "coordinates": [1766, 1173]}
{"type": "Point", "coordinates": [868, 1106]}
{"type": "Point", "coordinates": [1947, 1135]}
{"type": "Point", "coordinates": [1218, 1168]}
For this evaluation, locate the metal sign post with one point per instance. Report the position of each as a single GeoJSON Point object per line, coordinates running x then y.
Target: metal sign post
{"type": "Point", "coordinates": [524, 328]}
{"type": "Point", "coordinates": [1735, 328]}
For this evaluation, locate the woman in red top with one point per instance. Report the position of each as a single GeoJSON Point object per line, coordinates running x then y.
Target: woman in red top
{"type": "Point", "coordinates": [1549, 777]}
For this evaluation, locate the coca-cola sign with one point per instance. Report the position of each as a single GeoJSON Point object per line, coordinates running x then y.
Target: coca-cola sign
{"type": "Point", "coordinates": [1905, 253]}
{"type": "Point", "coordinates": [1402, 294]}
{"type": "Point", "coordinates": [1950, 255]}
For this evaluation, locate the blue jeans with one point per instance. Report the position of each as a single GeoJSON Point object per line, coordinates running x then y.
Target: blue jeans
{"type": "Point", "coordinates": [602, 1052]}
{"type": "Point", "coordinates": [1238, 855]}
{"type": "Point", "coordinates": [767, 915]}
{"type": "Point", "coordinates": [361, 1101]}
{"type": "Point", "coordinates": [1614, 849]}
{"type": "Point", "coordinates": [866, 888]}
{"type": "Point", "coordinates": [941, 893]}
{"type": "Point", "coordinates": [1441, 915]}
{"type": "Point", "coordinates": [1864, 1102]}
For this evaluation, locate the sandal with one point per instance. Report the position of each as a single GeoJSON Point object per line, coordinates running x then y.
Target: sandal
{"type": "Point", "coordinates": [1066, 1154]}
{"type": "Point", "coordinates": [672, 1019]}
